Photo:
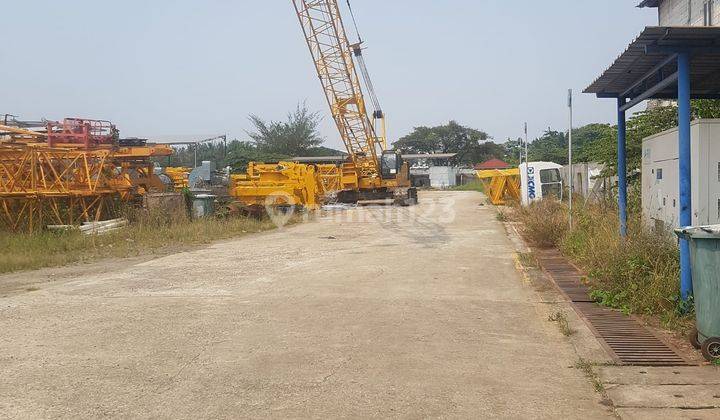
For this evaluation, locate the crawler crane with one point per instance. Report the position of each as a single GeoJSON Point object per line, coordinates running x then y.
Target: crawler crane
{"type": "Point", "coordinates": [371, 172]}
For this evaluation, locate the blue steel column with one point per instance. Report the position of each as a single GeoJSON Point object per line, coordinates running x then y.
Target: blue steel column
{"type": "Point", "coordinates": [622, 168]}
{"type": "Point", "coordinates": [685, 169]}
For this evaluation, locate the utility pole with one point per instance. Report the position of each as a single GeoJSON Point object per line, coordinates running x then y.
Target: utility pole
{"type": "Point", "coordinates": [195, 152]}
{"type": "Point", "coordinates": [570, 156]}
{"type": "Point", "coordinates": [527, 158]}
{"type": "Point", "coordinates": [224, 139]}
{"type": "Point", "coordinates": [520, 150]}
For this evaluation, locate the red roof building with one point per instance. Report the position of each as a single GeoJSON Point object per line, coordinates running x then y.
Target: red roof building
{"type": "Point", "coordinates": [492, 164]}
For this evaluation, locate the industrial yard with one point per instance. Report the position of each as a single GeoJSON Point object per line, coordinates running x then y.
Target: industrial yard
{"type": "Point", "coordinates": [463, 235]}
{"type": "Point", "coordinates": [285, 330]}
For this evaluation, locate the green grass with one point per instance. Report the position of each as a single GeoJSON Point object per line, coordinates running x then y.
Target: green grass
{"type": "Point", "coordinates": [528, 259]}
{"type": "Point", "coordinates": [473, 186]}
{"type": "Point", "coordinates": [147, 237]}
{"type": "Point", "coordinates": [638, 275]}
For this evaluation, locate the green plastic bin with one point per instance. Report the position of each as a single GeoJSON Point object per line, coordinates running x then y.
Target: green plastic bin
{"type": "Point", "coordinates": [203, 205]}
{"type": "Point", "coordinates": [705, 260]}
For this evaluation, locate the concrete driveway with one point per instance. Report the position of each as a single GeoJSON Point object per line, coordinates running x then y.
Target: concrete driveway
{"type": "Point", "coordinates": [372, 312]}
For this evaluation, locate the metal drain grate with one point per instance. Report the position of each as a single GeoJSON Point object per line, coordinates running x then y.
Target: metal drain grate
{"type": "Point", "coordinates": [628, 341]}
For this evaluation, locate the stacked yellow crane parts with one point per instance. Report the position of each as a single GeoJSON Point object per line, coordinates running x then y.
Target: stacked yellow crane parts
{"type": "Point", "coordinates": [65, 184]}
{"type": "Point", "coordinates": [501, 185]}
{"type": "Point", "coordinates": [280, 184]}
{"type": "Point", "coordinates": [179, 176]}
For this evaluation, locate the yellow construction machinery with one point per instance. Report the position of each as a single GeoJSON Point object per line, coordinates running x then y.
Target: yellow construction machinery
{"type": "Point", "coordinates": [286, 184]}
{"type": "Point", "coordinates": [178, 177]}
{"type": "Point", "coordinates": [501, 185]}
{"type": "Point", "coordinates": [371, 172]}
{"type": "Point", "coordinates": [281, 184]}
{"type": "Point", "coordinates": [70, 172]}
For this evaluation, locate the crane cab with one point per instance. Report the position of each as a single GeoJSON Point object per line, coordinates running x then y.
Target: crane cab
{"type": "Point", "coordinates": [391, 164]}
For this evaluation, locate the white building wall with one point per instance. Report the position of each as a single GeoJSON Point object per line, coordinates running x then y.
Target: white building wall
{"type": "Point", "coordinates": [687, 12]}
{"type": "Point", "coordinates": [443, 176]}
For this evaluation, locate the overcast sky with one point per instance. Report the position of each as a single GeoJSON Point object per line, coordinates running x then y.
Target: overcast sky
{"type": "Point", "coordinates": [159, 68]}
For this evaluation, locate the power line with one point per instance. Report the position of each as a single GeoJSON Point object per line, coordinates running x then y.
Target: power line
{"type": "Point", "coordinates": [357, 51]}
{"type": "Point", "coordinates": [352, 14]}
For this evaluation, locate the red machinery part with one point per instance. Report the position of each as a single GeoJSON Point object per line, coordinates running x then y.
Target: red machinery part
{"type": "Point", "coordinates": [89, 133]}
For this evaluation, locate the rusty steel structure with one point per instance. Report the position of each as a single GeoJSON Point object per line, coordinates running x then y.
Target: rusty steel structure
{"type": "Point", "coordinates": [70, 172]}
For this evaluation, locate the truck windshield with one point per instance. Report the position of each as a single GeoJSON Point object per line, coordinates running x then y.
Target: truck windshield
{"type": "Point", "coordinates": [551, 183]}
{"type": "Point", "coordinates": [548, 176]}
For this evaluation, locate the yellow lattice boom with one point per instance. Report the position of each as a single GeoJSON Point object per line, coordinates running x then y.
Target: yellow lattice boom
{"type": "Point", "coordinates": [501, 185]}
{"type": "Point", "coordinates": [332, 54]}
{"type": "Point", "coordinates": [370, 172]}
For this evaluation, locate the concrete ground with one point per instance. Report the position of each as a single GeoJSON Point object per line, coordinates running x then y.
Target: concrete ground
{"type": "Point", "coordinates": [659, 393]}
{"type": "Point", "coordinates": [371, 312]}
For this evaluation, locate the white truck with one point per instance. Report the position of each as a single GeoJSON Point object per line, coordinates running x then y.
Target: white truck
{"type": "Point", "coordinates": [540, 180]}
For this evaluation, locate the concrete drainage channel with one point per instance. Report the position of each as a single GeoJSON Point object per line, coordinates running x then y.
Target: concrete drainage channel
{"type": "Point", "coordinates": [629, 342]}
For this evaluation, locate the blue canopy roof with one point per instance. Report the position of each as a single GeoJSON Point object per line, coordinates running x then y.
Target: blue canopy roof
{"type": "Point", "coordinates": [648, 62]}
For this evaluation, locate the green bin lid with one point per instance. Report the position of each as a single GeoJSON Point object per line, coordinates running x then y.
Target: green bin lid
{"type": "Point", "coordinates": [699, 232]}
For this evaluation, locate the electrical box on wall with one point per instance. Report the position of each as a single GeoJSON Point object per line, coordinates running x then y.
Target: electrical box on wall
{"type": "Point", "coordinates": [660, 176]}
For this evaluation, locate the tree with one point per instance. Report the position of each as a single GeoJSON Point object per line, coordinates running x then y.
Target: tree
{"type": "Point", "coordinates": [486, 151]}
{"type": "Point", "coordinates": [550, 147]}
{"type": "Point", "coordinates": [272, 142]}
{"type": "Point", "coordinates": [645, 124]}
{"type": "Point", "coordinates": [449, 138]}
{"type": "Point", "coordinates": [243, 152]}
{"type": "Point", "coordinates": [512, 150]}
{"type": "Point", "coordinates": [293, 138]}
{"type": "Point", "coordinates": [586, 138]}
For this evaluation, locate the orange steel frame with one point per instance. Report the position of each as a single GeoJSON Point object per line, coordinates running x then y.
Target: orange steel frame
{"type": "Point", "coordinates": [68, 183]}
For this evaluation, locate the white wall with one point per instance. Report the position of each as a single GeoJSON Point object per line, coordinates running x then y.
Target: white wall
{"type": "Point", "coordinates": [586, 180]}
{"type": "Point", "coordinates": [687, 12]}
{"type": "Point", "coordinates": [443, 176]}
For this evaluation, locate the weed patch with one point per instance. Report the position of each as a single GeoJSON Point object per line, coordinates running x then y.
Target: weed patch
{"type": "Point", "coordinates": [545, 223]}
{"type": "Point", "coordinates": [589, 370]}
{"type": "Point", "coordinates": [637, 275]}
{"type": "Point", "coordinates": [527, 259]}
{"type": "Point", "coordinates": [146, 235]}
{"type": "Point", "coordinates": [561, 319]}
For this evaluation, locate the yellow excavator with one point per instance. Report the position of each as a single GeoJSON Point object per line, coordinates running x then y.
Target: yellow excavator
{"type": "Point", "coordinates": [371, 172]}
